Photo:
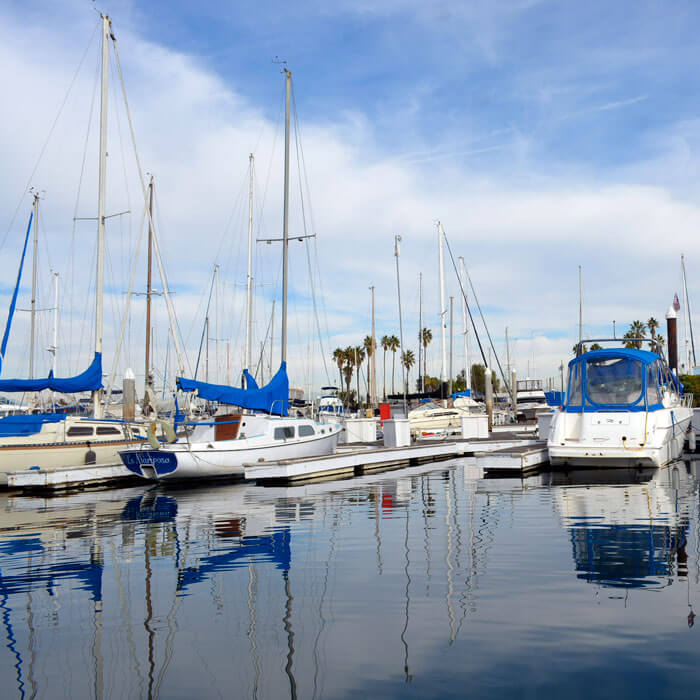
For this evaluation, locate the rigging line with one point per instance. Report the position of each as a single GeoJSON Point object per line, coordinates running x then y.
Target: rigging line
{"type": "Point", "coordinates": [77, 198]}
{"type": "Point", "coordinates": [48, 137]}
{"type": "Point", "coordinates": [483, 320]}
{"type": "Point", "coordinates": [206, 322]}
{"type": "Point", "coordinates": [181, 358]}
{"type": "Point", "coordinates": [297, 139]}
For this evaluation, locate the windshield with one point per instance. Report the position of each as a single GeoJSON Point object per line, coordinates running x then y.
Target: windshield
{"type": "Point", "coordinates": [616, 381]}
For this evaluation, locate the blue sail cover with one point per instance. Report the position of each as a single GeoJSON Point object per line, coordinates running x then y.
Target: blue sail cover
{"type": "Point", "coordinates": [13, 301]}
{"type": "Point", "coordinates": [89, 380]}
{"type": "Point", "coordinates": [250, 380]}
{"type": "Point", "coordinates": [272, 398]}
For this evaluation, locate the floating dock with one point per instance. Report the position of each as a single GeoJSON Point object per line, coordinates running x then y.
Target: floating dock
{"type": "Point", "coordinates": [370, 457]}
{"type": "Point", "coordinates": [70, 477]}
{"type": "Point", "coordinates": [520, 458]}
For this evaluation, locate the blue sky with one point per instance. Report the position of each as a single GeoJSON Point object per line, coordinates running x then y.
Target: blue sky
{"type": "Point", "coordinates": [544, 135]}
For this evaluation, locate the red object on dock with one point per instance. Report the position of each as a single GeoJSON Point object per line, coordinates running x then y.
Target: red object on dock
{"type": "Point", "coordinates": [384, 412]}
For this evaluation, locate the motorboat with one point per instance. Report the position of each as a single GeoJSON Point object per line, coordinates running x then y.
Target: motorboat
{"type": "Point", "coordinates": [330, 407]}
{"type": "Point", "coordinates": [530, 398]}
{"type": "Point", "coordinates": [624, 407]}
{"type": "Point", "coordinates": [430, 418]}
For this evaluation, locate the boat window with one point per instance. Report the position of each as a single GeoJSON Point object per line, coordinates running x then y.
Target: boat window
{"type": "Point", "coordinates": [653, 395]}
{"type": "Point", "coordinates": [79, 430]}
{"type": "Point", "coordinates": [108, 430]}
{"type": "Point", "coordinates": [615, 381]}
{"type": "Point", "coordinates": [306, 430]}
{"type": "Point", "coordinates": [284, 433]}
{"type": "Point", "coordinates": [573, 396]}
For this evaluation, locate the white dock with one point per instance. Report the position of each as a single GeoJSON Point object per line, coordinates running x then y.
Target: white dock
{"type": "Point", "coordinates": [513, 459]}
{"type": "Point", "coordinates": [367, 458]}
{"type": "Point", "coordinates": [69, 477]}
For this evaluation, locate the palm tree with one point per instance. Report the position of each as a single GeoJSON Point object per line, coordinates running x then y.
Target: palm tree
{"type": "Point", "coordinates": [408, 359]}
{"type": "Point", "coordinates": [348, 368]}
{"type": "Point", "coordinates": [637, 330]}
{"type": "Point", "coordinates": [385, 346]}
{"type": "Point", "coordinates": [359, 358]}
{"type": "Point", "coordinates": [339, 357]}
{"type": "Point", "coordinates": [368, 345]}
{"type": "Point", "coordinates": [426, 339]}
{"type": "Point", "coordinates": [394, 345]}
{"type": "Point", "coordinates": [652, 325]}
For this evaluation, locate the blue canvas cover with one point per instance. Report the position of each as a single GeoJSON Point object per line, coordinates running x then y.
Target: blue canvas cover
{"type": "Point", "coordinates": [272, 398]}
{"type": "Point", "coordinates": [250, 380]}
{"type": "Point", "coordinates": [618, 371]}
{"type": "Point", "coordinates": [89, 380]}
{"type": "Point", "coordinates": [554, 398]}
{"type": "Point", "coordinates": [27, 423]}
{"type": "Point", "coordinates": [13, 301]}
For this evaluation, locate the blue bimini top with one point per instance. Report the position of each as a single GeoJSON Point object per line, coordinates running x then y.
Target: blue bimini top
{"type": "Point", "coordinates": [618, 379]}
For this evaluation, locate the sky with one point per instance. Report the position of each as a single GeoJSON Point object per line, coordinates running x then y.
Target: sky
{"type": "Point", "coordinates": [543, 135]}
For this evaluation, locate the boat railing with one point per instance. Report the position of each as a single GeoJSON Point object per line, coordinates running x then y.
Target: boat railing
{"type": "Point", "coordinates": [687, 400]}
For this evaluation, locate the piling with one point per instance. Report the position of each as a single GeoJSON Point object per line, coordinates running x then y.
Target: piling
{"type": "Point", "coordinates": [488, 390]}
{"type": "Point", "coordinates": [672, 336]}
{"type": "Point", "coordinates": [129, 396]}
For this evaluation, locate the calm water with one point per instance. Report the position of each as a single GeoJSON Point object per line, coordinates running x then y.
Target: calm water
{"type": "Point", "coordinates": [424, 582]}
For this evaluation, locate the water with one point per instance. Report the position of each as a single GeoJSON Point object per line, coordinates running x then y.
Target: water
{"type": "Point", "coordinates": [424, 582]}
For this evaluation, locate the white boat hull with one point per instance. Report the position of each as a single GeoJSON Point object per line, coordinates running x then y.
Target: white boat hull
{"type": "Point", "coordinates": [183, 460]}
{"type": "Point", "coordinates": [596, 439]}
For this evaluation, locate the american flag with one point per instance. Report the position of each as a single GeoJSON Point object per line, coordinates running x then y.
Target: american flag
{"type": "Point", "coordinates": [676, 303]}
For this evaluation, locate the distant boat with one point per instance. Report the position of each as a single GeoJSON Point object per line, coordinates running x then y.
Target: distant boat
{"type": "Point", "coordinates": [223, 445]}
{"type": "Point", "coordinates": [624, 407]}
{"type": "Point", "coordinates": [530, 398]}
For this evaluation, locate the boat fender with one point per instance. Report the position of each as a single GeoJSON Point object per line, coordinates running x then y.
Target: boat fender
{"type": "Point", "coordinates": [165, 427]}
{"type": "Point", "coordinates": [90, 456]}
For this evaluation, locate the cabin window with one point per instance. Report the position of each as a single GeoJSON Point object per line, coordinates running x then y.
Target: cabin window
{"type": "Point", "coordinates": [653, 395]}
{"type": "Point", "coordinates": [615, 381]}
{"type": "Point", "coordinates": [108, 430]}
{"type": "Point", "coordinates": [573, 396]}
{"type": "Point", "coordinates": [306, 430]}
{"type": "Point", "coordinates": [284, 433]}
{"type": "Point", "coordinates": [79, 430]}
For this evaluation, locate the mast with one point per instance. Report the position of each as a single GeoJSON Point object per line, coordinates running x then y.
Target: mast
{"type": "Point", "coordinates": [99, 279]}
{"type": "Point", "coordinates": [580, 305]}
{"type": "Point", "coordinates": [373, 373]}
{"type": "Point", "coordinates": [421, 350]}
{"type": "Point", "coordinates": [272, 338]}
{"type": "Point", "coordinates": [147, 373]}
{"type": "Point", "coordinates": [32, 330]}
{"type": "Point", "coordinates": [249, 292]}
{"type": "Point", "coordinates": [54, 347]}
{"type": "Point", "coordinates": [443, 310]}
{"type": "Point", "coordinates": [451, 341]}
{"type": "Point", "coordinates": [397, 253]}
{"type": "Point", "coordinates": [687, 306]}
{"type": "Point", "coordinates": [465, 325]}
{"type": "Point", "coordinates": [285, 222]}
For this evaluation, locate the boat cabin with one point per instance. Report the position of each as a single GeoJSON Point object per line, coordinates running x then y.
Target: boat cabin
{"type": "Point", "coordinates": [620, 379]}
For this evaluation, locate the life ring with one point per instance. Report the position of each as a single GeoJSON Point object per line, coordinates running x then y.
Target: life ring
{"type": "Point", "coordinates": [165, 427]}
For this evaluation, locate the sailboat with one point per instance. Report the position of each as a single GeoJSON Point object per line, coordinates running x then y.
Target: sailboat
{"type": "Point", "coordinates": [54, 440]}
{"type": "Point", "coordinates": [222, 446]}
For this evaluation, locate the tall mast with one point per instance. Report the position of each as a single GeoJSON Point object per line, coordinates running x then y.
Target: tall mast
{"type": "Point", "coordinates": [421, 350]}
{"type": "Point", "coordinates": [465, 325]}
{"type": "Point", "coordinates": [443, 310]}
{"type": "Point", "coordinates": [451, 340]}
{"type": "Point", "coordinates": [32, 330]}
{"type": "Point", "coordinates": [147, 372]}
{"type": "Point", "coordinates": [285, 223]}
{"type": "Point", "coordinates": [54, 347]}
{"type": "Point", "coordinates": [373, 374]}
{"type": "Point", "coordinates": [272, 338]}
{"type": "Point", "coordinates": [99, 279]}
{"type": "Point", "coordinates": [249, 294]}
{"type": "Point", "coordinates": [687, 306]}
{"type": "Point", "coordinates": [580, 305]}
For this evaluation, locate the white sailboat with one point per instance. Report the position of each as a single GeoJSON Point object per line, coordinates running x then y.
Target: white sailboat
{"type": "Point", "coordinates": [221, 447]}
{"type": "Point", "coordinates": [54, 440]}
{"type": "Point", "coordinates": [624, 408]}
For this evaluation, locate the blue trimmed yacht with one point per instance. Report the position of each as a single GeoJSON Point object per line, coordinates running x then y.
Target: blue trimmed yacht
{"type": "Point", "coordinates": [624, 408]}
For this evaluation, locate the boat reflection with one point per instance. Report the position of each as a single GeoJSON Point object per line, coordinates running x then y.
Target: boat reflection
{"type": "Point", "coordinates": [628, 527]}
